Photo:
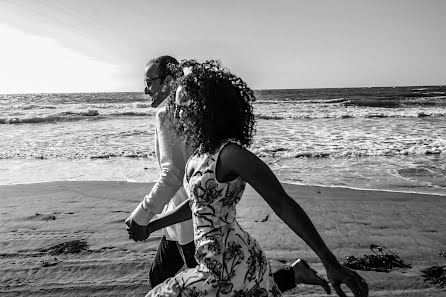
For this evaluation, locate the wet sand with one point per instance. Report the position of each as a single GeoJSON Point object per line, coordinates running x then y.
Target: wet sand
{"type": "Point", "coordinates": [36, 217]}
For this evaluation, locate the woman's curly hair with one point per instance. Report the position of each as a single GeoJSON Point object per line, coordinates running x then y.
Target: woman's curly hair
{"type": "Point", "coordinates": [219, 107]}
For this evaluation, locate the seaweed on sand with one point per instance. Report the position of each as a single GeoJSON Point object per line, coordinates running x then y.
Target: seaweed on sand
{"type": "Point", "coordinates": [435, 275]}
{"type": "Point", "coordinates": [379, 261]}
{"type": "Point", "coordinates": [69, 247]}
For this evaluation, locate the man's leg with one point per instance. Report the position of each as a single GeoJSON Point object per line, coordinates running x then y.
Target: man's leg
{"type": "Point", "coordinates": [167, 262]}
{"type": "Point", "coordinates": [188, 251]}
{"type": "Point", "coordinates": [284, 278]}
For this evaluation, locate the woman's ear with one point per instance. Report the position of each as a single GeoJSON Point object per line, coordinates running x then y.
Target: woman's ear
{"type": "Point", "coordinates": [168, 79]}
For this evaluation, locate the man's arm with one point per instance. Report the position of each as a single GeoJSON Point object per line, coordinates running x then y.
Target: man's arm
{"type": "Point", "coordinates": [171, 154]}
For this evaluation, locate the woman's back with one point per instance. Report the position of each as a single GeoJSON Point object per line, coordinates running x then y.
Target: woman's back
{"type": "Point", "coordinates": [213, 203]}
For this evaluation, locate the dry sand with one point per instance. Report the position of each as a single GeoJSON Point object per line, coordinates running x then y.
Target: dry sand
{"type": "Point", "coordinates": [35, 217]}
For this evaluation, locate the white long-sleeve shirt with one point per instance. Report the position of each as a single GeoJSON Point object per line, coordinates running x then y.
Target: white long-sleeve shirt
{"type": "Point", "coordinates": [172, 153]}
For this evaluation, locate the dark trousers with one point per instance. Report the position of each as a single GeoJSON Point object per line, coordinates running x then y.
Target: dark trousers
{"type": "Point", "coordinates": [168, 262]}
{"type": "Point", "coordinates": [284, 279]}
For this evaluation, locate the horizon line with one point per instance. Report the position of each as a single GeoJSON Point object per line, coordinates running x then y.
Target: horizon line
{"type": "Point", "coordinates": [267, 89]}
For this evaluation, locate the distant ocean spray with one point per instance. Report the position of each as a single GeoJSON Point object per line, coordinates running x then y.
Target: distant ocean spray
{"type": "Point", "coordinates": [385, 138]}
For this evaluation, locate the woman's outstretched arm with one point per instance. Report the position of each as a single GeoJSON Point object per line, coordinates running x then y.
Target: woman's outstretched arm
{"type": "Point", "coordinates": [180, 214]}
{"type": "Point", "coordinates": [237, 161]}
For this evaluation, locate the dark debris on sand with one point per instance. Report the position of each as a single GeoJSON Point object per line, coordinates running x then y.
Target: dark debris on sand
{"type": "Point", "coordinates": [379, 261]}
{"type": "Point", "coordinates": [435, 275]}
{"type": "Point", "coordinates": [50, 263]}
{"type": "Point", "coordinates": [70, 247]}
{"type": "Point", "coordinates": [43, 217]}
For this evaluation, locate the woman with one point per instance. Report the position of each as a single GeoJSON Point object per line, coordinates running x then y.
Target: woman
{"type": "Point", "coordinates": [215, 113]}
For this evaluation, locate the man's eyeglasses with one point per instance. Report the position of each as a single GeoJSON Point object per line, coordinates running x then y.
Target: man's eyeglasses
{"type": "Point", "coordinates": [149, 81]}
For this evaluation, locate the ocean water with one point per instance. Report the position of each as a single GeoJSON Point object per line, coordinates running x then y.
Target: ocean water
{"type": "Point", "coordinates": [370, 138]}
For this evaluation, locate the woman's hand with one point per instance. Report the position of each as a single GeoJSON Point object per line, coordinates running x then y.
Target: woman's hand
{"type": "Point", "coordinates": [135, 231]}
{"type": "Point", "coordinates": [339, 274]}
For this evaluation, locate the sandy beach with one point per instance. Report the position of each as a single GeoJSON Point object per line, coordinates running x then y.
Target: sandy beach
{"type": "Point", "coordinates": [35, 218]}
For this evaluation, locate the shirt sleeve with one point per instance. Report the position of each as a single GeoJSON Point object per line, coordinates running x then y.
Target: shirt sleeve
{"type": "Point", "coordinates": [172, 154]}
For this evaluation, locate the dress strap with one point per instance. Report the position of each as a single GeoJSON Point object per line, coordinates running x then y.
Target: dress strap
{"type": "Point", "coordinates": [225, 142]}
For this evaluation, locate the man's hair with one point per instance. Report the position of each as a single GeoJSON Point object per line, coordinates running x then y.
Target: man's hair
{"type": "Point", "coordinates": [219, 107]}
{"type": "Point", "coordinates": [166, 66]}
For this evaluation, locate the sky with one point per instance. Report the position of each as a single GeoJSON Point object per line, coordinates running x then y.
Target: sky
{"type": "Point", "coordinates": [103, 45]}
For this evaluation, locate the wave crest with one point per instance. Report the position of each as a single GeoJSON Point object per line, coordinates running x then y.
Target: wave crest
{"type": "Point", "coordinates": [353, 112]}
{"type": "Point", "coordinates": [284, 153]}
{"type": "Point", "coordinates": [73, 115]}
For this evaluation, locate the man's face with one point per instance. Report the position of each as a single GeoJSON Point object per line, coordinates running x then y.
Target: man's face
{"type": "Point", "coordinates": [158, 88]}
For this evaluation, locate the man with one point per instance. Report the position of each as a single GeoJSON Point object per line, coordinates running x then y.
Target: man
{"type": "Point", "coordinates": [172, 152]}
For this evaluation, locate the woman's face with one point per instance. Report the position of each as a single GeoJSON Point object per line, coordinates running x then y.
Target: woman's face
{"type": "Point", "coordinates": [181, 100]}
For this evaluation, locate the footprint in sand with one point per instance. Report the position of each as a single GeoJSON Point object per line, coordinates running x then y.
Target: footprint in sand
{"type": "Point", "coordinates": [116, 211]}
{"type": "Point", "coordinates": [264, 219]}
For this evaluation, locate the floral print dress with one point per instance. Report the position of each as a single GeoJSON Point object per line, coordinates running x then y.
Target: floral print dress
{"type": "Point", "coordinates": [230, 261]}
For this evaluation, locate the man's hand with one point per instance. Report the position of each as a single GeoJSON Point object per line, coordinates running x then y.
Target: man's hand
{"type": "Point", "coordinates": [135, 231]}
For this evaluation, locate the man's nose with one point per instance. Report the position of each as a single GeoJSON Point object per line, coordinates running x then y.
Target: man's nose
{"type": "Point", "coordinates": [146, 90]}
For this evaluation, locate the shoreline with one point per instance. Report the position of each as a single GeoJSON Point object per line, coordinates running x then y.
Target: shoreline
{"type": "Point", "coordinates": [37, 216]}
{"type": "Point", "coordinates": [283, 183]}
